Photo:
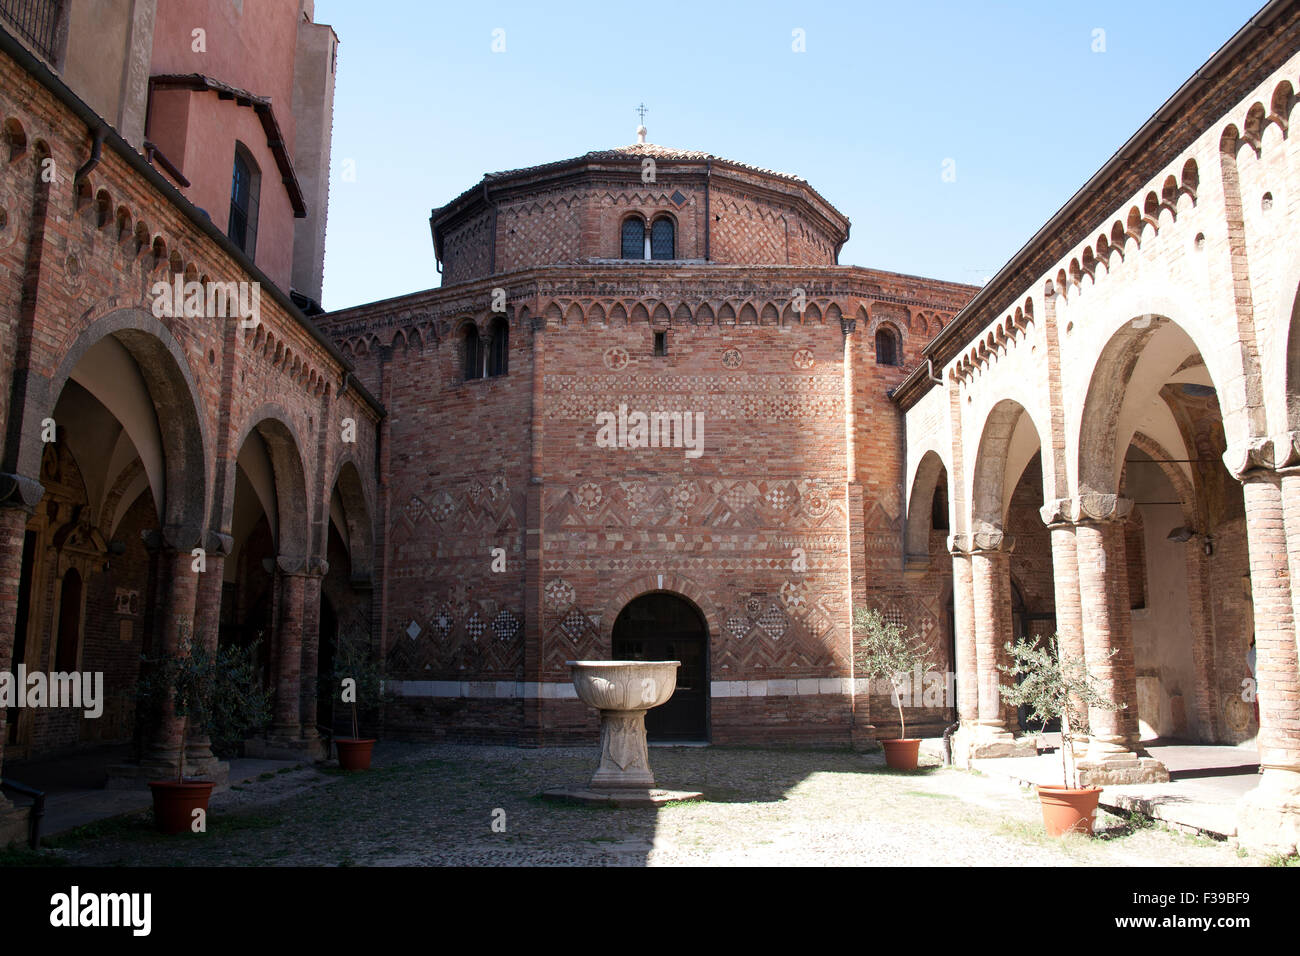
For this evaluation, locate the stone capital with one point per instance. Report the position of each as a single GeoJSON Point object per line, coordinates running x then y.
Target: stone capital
{"type": "Point", "coordinates": [318, 567]}
{"type": "Point", "coordinates": [1261, 454]}
{"type": "Point", "coordinates": [959, 545]}
{"type": "Point", "coordinates": [848, 325]}
{"type": "Point", "coordinates": [181, 539]}
{"type": "Point", "coordinates": [992, 542]}
{"type": "Point", "coordinates": [214, 542]}
{"type": "Point", "coordinates": [19, 491]}
{"type": "Point", "coordinates": [291, 564]}
{"type": "Point", "coordinates": [1056, 513]}
{"type": "Point", "coordinates": [1087, 508]}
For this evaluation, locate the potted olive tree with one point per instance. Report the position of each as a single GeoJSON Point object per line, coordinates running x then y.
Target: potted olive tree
{"type": "Point", "coordinates": [888, 654]}
{"type": "Point", "coordinates": [358, 683]}
{"type": "Point", "coordinates": [219, 695]}
{"type": "Point", "coordinates": [1052, 683]}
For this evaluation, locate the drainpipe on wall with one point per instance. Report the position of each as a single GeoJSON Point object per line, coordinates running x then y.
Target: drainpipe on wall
{"type": "Point", "coordinates": [947, 742]}
{"type": "Point", "coordinates": [929, 364]}
{"type": "Point", "coordinates": [96, 150]}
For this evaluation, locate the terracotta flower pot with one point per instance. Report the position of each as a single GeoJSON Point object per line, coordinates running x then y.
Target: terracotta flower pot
{"type": "Point", "coordinates": [901, 754]}
{"type": "Point", "coordinates": [1067, 809]}
{"type": "Point", "coordinates": [174, 803]}
{"type": "Point", "coordinates": [354, 753]}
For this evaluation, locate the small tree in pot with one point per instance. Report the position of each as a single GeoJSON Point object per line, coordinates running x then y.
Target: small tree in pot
{"type": "Point", "coordinates": [1052, 683]}
{"type": "Point", "coordinates": [887, 653]}
{"type": "Point", "coordinates": [217, 694]}
{"type": "Point", "coordinates": [358, 683]}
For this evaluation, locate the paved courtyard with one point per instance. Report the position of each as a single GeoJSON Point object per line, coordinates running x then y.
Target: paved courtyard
{"type": "Point", "coordinates": [436, 804]}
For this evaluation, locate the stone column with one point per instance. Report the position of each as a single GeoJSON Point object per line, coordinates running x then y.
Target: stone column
{"type": "Point", "coordinates": [1268, 818]}
{"type": "Point", "coordinates": [965, 664]}
{"type": "Point", "coordinates": [177, 596]}
{"type": "Point", "coordinates": [18, 496]}
{"type": "Point", "coordinates": [963, 613]}
{"type": "Point", "coordinates": [317, 568]}
{"type": "Point", "coordinates": [1113, 755]}
{"type": "Point", "coordinates": [990, 559]}
{"type": "Point", "coordinates": [1065, 583]}
{"type": "Point", "coordinates": [199, 759]}
{"type": "Point", "coordinates": [1065, 580]}
{"type": "Point", "coordinates": [286, 720]}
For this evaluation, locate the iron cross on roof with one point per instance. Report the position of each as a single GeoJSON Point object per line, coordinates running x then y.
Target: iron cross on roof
{"type": "Point", "coordinates": [641, 110]}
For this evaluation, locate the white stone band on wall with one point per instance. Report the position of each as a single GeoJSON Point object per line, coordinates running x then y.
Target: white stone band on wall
{"type": "Point", "coordinates": [564, 690]}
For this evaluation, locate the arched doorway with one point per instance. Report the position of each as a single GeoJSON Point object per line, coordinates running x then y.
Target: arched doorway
{"type": "Point", "coordinates": [661, 626]}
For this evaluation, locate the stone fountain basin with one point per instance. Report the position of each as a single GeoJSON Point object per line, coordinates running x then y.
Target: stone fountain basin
{"type": "Point", "coordinates": [624, 685]}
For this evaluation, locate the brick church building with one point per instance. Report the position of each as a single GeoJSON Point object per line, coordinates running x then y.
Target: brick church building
{"type": "Point", "coordinates": [647, 413]}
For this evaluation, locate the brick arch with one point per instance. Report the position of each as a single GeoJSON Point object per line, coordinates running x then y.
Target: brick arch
{"type": "Point", "coordinates": [294, 507]}
{"type": "Point", "coordinates": [672, 582]}
{"type": "Point", "coordinates": [358, 513]}
{"type": "Point", "coordinates": [999, 463]}
{"type": "Point", "coordinates": [1289, 319]}
{"type": "Point", "coordinates": [925, 481]}
{"type": "Point", "coordinates": [1111, 387]}
{"type": "Point", "coordinates": [171, 386]}
{"type": "Point", "coordinates": [15, 138]}
{"type": "Point", "coordinates": [874, 322]}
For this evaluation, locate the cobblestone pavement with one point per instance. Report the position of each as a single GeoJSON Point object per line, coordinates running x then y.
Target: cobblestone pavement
{"type": "Point", "coordinates": [435, 804]}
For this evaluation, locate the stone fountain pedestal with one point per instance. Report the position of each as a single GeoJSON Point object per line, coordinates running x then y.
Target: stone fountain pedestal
{"type": "Point", "coordinates": [623, 691]}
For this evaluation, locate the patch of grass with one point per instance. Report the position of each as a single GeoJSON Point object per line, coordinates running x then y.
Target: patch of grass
{"type": "Point", "coordinates": [135, 825]}
{"type": "Point", "coordinates": [932, 796]}
{"type": "Point", "coordinates": [1130, 823]}
{"type": "Point", "coordinates": [1024, 832]}
{"type": "Point", "coordinates": [287, 769]}
{"type": "Point", "coordinates": [237, 822]}
{"type": "Point", "coordinates": [266, 776]}
{"type": "Point", "coordinates": [22, 856]}
{"type": "Point", "coordinates": [1278, 860]}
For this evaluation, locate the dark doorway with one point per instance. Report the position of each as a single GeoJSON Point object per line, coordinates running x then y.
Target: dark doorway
{"type": "Point", "coordinates": [664, 627]}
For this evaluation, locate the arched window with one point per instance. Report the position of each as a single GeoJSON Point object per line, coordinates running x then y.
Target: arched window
{"type": "Point", "coordinates": [473, 353]}
{"type": "Point", "coordinates": [245, 187]}
{"type": "Point", "coordinates": [499, 348]}
{"type": "Point", "coordinates": [662, 245]}
{"type": "Point", "coordinates": [886, 347]}
{"type": "Point", "coordinates": [633, 239]}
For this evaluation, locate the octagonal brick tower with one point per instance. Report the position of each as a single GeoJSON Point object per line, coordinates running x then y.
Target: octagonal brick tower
{"type": "Point", "coordinates": [574, 210]}
{"type": "Point", "coordinates": [518, 536]}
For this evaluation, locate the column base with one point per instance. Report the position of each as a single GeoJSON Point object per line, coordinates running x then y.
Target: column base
{"type": "Point", "coordinates": [862, 738]}
{"type": "Point", "coordinates": [1268, 818]}
{"type": "Point", "coordinates": [136, 776]}
{"type": "Point", "coordinates": [1118, 769]}
{"type": "Point", "coordinates": [285, 747]}
{"type": "Point", "coordinates": [15, 823]}
{"type": "Point", "coordinates": [993, 741]}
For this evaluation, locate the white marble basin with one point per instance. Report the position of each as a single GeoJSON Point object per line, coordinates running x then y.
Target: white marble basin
{"type": "Point", "coordinates": [624, 685]}
{"type": "Point", "coordinates": [623, 691]}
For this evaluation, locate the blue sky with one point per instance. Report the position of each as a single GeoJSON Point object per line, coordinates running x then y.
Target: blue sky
{"type": "Point", "coordinates": [884, 93]}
